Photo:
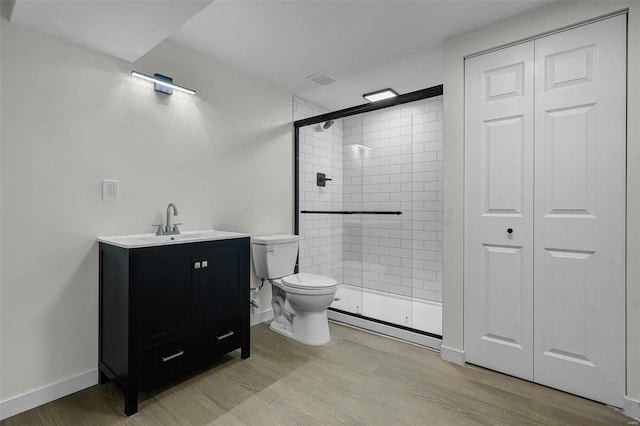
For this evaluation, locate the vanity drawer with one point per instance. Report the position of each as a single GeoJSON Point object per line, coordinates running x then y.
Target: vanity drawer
{"type": "Point", "coordinates": [226, 334]}
{"type": "Point", "coordinates": [166, 357]}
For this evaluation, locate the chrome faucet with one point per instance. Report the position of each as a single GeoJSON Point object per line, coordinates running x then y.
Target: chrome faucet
{"type": "Point", "coordinates": [169, 229]}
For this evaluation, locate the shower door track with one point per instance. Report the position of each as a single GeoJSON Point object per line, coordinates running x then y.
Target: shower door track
{"type": "Point", "coordinates": [347, 212]}
{"type": "Point", "coordinates": [397, 331]}
{"type": "Point", "coordinates": [347, 112]}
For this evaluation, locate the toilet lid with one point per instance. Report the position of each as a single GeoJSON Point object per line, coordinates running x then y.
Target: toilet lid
{"type": "Point", "coordinates": [304, 280]}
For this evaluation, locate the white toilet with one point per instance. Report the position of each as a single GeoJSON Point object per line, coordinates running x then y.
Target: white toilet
{"type": "Point", "coordinates": [299, 301]}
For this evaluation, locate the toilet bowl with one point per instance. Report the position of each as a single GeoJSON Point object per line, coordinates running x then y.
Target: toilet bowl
{"type": "Point", "coordinates": [299, 301]}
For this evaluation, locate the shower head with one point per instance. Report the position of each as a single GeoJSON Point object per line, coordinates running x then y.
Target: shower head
{"type": "Point", "coordinates": [328, 124]}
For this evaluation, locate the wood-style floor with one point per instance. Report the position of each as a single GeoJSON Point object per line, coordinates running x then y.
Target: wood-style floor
{"type": "Point", "coordinates": [357, 379]}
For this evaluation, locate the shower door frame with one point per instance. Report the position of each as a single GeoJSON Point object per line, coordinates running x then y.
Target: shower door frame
{"type": "Point", "coordinates": [420, 337]}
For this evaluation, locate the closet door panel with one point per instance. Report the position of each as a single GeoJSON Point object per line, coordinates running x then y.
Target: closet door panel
{"type": "Point", "coordinates": [498, 198]}
{"type": "Point", "coordinates": [579, 253]}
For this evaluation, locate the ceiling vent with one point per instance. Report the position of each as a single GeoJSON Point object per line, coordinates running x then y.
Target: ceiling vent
{"type": "Point", "coordinates": [322, 78]}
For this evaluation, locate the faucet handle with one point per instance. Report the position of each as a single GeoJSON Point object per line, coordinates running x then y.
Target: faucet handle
{"type": "Point", "coordinates": [159, 230]}
{"type": "Point", "coordinates": [175, 226]}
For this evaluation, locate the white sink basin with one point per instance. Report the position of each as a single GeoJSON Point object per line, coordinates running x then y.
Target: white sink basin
{"type": "Point", "coordinates": [182, 236]}
{"type": "Point", "coordinates": [151, 240]}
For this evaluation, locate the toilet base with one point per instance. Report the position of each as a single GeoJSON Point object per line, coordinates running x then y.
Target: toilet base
{"type": "Point", "coordinates": [309, 328]}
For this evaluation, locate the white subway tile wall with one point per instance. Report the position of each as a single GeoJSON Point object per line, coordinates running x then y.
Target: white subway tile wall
{"type": "Point", "coordinates": [320, 234]}
{"type": "Point", "coordinates": [389, 160]}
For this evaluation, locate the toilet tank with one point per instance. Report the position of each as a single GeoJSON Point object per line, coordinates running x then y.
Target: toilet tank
{"type": "Point", "coordinates": [274, 256]}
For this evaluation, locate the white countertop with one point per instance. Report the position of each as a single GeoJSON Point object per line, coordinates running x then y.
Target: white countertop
{"type": "Point", "coordinates": [152, 240]}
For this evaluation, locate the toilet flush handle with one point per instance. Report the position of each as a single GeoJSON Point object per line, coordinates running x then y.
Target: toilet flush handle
{"type": "Point", "coordinates": [271, 249]}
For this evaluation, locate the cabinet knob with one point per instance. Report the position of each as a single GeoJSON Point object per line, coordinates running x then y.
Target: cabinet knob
{"type": "Point", "coordinates": [205, 263]}
{"type": "Point", "coordinates": [196, 265]}
{"type": "Point", "coordinates": [510, 230]}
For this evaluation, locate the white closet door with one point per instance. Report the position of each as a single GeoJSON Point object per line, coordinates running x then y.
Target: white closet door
{"type": "Point", "coordinates": [498, 197]}
{"type": "Point", "coordinates": [580, 120]}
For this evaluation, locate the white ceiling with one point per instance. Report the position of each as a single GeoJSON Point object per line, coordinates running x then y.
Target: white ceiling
{"type": "Point", "coordinates": [124, 29]}
{"type": "Point", "coordinates": [366, 45]}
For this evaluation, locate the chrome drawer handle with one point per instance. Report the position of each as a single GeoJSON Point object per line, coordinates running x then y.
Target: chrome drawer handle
{"type": "Point", "coordinates": [170, 357]}
{"type": "Point", "coordinates": [224, 336]}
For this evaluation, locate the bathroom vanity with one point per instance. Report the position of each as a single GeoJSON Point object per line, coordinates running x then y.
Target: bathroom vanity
{"type": "Point", "coordinates": [170, 305]}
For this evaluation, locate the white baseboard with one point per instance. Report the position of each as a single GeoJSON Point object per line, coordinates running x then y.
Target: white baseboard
{"type": "Point", "coordinates": [18, 404]}
{"type": "Point", "coordinates": [452, 355]}
{"type": "Point", "coordinates": [27, 401]}
{"type": "Point", "coordinates": [631, 408]}
{"type": "Point", "coordinates": [261, 317]}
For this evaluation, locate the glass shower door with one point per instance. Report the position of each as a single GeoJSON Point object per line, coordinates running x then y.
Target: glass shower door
{"type": "Point", "coordinates": [386, 161]}
{"type": "Point", "coordinates": [376, 226]}
{"type": "Point", "coordinates": [322, 215]}
{"type": "Point", "coordinates": [349, 294]}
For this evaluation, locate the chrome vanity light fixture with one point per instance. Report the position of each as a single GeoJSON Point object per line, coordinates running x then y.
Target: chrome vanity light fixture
{"type": "Point", "coordinates": [162, 83]}
{"type": "Point", "coordinates": [379, 95]}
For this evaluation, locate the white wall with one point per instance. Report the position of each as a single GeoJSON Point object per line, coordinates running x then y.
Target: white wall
{"type": "Point", "coordinates": [543, 20]}
{"type": "Point", "coordinates": [71, 117]}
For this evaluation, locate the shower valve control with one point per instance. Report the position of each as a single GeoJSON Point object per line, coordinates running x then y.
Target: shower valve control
{"type": "Point", "coordinates": [321, 179]}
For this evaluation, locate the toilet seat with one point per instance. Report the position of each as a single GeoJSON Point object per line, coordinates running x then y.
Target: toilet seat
{"type": "Point", "coordinates": [305, 281]}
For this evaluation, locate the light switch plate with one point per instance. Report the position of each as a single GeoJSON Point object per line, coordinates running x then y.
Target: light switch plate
{"type": "Point", "coordinates": [110, 190]}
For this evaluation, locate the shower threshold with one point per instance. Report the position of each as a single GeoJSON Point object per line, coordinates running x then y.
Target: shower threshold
{"type": "Point", "coordinates": [414, 320]}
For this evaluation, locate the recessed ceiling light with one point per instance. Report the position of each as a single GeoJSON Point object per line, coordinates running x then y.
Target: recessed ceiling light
{"type": "Point", "coordinates": [379, 95]}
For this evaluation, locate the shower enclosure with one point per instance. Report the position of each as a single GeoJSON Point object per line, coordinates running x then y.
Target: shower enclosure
{"type": "Point", "coordinates": [368, 202]}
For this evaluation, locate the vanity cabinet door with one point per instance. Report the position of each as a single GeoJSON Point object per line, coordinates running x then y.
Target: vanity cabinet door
{"type": "Point", "coordinates": [221, 291]}
{"type": "Point", "coordinates": [165, 294]}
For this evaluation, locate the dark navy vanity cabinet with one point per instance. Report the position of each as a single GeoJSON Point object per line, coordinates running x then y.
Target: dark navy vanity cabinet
{"type": "Point", "coordinates": [168, 310]}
